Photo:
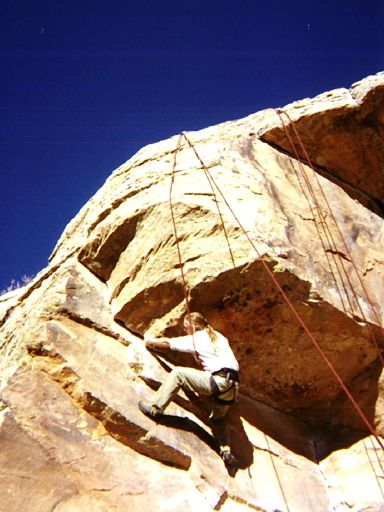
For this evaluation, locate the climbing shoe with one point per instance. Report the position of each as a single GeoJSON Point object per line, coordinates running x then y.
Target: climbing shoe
{"type": "Point", "coordinates": [228, 458]}
{"type": "Point", "coordinates": [149, 410]}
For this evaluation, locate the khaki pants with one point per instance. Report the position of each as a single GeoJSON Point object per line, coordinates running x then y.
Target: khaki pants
{"type": "Point", "coordinates": [199, 382]}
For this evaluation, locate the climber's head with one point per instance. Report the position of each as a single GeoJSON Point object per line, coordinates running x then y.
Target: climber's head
{"type": "Point", "coordinates": [197, 323]}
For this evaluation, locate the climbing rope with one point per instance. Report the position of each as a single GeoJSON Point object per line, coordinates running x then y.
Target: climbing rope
{"type": "Point", "coordinates": [214, 185]}
{"type": "Point", "coordinates": [335, 250]}
{"type": "Point", "coordinates": [333, 245]}
{"type": "Point", "coordinates": [209, 179]}
{"type": "Point", "coordinates": [331, 241]}
{"type": "Point", "coordinates": [371, 463]}
{"type": "Point", "coordinates": [321, 225]}
{"type": "Point", "coordinates": [181, 265]}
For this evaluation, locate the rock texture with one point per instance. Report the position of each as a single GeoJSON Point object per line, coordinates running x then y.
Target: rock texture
{"type": "Point", "coordinates": [266, 239]}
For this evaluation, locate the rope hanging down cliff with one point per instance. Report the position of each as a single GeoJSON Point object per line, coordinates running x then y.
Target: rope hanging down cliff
{"type": "Point", "coordinates": [299, 319]}
{"type": "Point", "coordinates": [324, 225]}
{"type": "Point", "coordinates": [181, 265]}
{"type": "Point", "coordinates": [178, 245]}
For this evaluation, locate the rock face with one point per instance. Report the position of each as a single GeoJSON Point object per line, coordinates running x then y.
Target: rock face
{"type": "Point", "coordinates": [284, 255]}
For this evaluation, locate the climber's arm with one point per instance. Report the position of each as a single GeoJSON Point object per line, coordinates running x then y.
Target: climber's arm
{"type": "Point", "coordinates": [179, 344]}
{"type": "Point", "coordinates": [156, 344]}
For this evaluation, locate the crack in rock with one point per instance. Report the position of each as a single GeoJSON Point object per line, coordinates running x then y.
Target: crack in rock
{"type": "Point", "coordinates": [119, 427]}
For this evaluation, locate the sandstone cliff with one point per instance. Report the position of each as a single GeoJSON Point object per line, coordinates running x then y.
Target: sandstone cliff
{"type": "Point", "coordinates": [270, 230]}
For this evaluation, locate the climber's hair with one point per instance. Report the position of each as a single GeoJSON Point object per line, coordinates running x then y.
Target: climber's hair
{"type": "Point", "coordinates": [200, 323]}
{"type": "Point", "coordinates": [198, 320]}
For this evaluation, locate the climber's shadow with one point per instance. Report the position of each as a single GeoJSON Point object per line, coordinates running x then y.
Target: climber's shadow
{"type": "Point", "coordinates": [187, 425]}
{"type": "Point", "coordinates": [241, 447]}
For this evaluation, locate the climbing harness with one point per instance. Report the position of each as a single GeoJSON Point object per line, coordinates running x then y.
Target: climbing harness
{"type": "Point", "coordinates": [232, 377]}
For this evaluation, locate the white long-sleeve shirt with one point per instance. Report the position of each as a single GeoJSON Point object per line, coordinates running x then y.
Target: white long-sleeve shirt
{"type": "Point", "coordinates": [213, 356]}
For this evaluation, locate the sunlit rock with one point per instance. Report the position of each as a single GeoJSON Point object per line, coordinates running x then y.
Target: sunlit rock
{"type": "Point", "coordinates": [284, 257]}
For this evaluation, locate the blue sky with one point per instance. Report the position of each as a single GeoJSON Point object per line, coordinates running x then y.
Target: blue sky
{"type": "Point", "coordinates": [85, 84]}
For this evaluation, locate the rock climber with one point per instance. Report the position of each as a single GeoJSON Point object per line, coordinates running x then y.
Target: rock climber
{"type": "Point", "coordinates": [219, 377]}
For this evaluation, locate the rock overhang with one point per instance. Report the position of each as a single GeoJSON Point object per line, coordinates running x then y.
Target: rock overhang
{"type": "Point", "coordinates": [279, 363]}
{"type": "Point", "coordinates": [343, 135]}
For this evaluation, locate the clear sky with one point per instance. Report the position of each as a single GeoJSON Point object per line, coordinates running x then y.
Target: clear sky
{"type": "Point", "coordinates": [85, 84]}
